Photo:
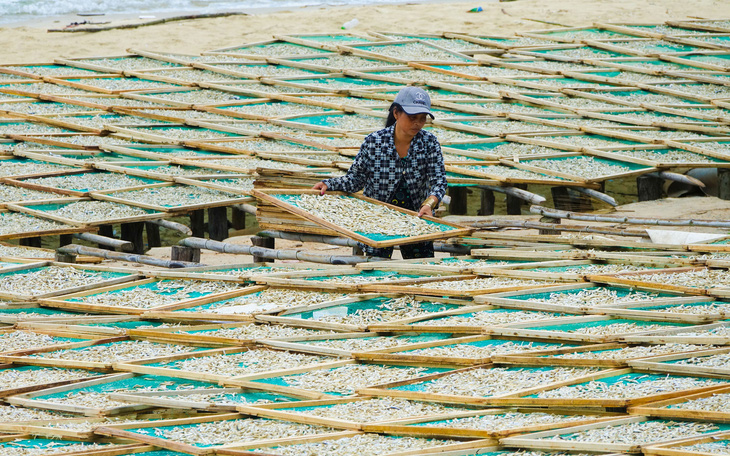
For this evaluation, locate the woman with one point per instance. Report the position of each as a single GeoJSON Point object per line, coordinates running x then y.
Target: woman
{"type": "Point", "coordinates": [401, 165]}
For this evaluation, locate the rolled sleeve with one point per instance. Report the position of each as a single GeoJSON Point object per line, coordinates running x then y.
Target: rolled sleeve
{"type": "Point", "coordinates": [437, 172]}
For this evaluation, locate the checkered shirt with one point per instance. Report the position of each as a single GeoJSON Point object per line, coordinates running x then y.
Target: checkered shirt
{"type": "Point", "coordinates": [377, 168]}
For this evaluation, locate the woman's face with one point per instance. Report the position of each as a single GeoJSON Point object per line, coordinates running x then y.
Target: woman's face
{"type": "Point", "coordinates": [410, 124]}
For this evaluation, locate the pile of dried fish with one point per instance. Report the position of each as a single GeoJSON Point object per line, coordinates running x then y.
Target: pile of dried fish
{"type": "Point", "coordinates": [245, 363]}
{"type": "Point", "coordinates": [363, 445]}
{"type": "Point", "coordinates": [16, 378]}
{"type": "Point", "coordinates": [20, 168]}
{"type": "Point", "coordinates": [613, 329]}
{"type": "Point", "coordinates": [508, 421]}
{"type": "Point", "coordinates": [271, 298]}
{"type": "Point", "coordinates": [594, 297]}
{"type": "Point", "coordinates": [365, 217]}
{"type": "Point", "coordinates": [16, 222]}
{"type": "Point", "coordinates": [13, 414]}
{"type": "Point", "coordinates": [91, 181]}
{"type": "Point", "coordinates": [489, 318]}
{"type": "Point", "coordinates": [254, 331]}
{"type": "Point", "coordinates": [347, 379]}
{"type": "Point", "coordinates": [380, 409]}
{"type": "Point", "coordinates": [359, 344]}
{"type": "Point", "coordinates": [128, 350]}
{"type": "Point", "coordinates": [627, 388]}
{"type": "Point", "coordinates": [639, 433]}
{"type": "Point", "coordinates": [230, 431]}
{"type": "Point", "coordinates": [634, 352]}
{"type": "Point", "coordinates": [47, 280]}
{"type": "Point", "coordinates": [157, 294]}
{"type": "Point", "coordinates": [714, 403]}
{"type": "Point", "coordinates": [721, 360]}
{"type": "Point", "coordinates": [175, 196]}
{"type": "Point", "coordinates": [393, 309]}
{"type": "Point", "coordinates": [96, 211]}
{"type": "Point", "coordinates": [482, 283]}
{"type": "Point", "coordinates": [587, 167]}
{"type": "Point", "coordinates": [483, 382]}
{"type": "Point", "coordinates": [702, 278]}
{"type": "Point", "coordinates": [21, 340]}
{"type": "Point", "coordinates": [720, 447]}
{"type": "Point", "coordinates": [475, 350]}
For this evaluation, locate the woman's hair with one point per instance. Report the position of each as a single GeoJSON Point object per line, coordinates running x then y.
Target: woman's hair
{"type": "Point", "coordinates": [391, 114]}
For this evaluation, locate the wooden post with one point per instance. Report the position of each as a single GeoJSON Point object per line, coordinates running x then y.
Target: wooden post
{"type": "Point", "coordinates": [561, 199]}
{"type": "Point", "coordinates": [106, 231]}
{"type": "Point", "coordinates": [723, 183]}
{"type": "Point", "coordinates": [238, 218]}
{"type": "Point", "coordinates": [486, 202]}
{"type": "Point", "coordinates": [184, 253]}
{"type": "Point", "coordinates": [260, 241]}
{"type": "Point", "coordinates": [30, 241]}
{"type": "Point", "coordinates": [458, 200]}
{"type": "Point", "coordinates": [514, 204]}
{"type": "Point", "coordinates": [153, 235]}
{"type": "Point", "coordinates": [197, 223]}
{"type": "Point", "coordinates": [65, 239]}
{"type": "Point", "coordinates": [134, 232]}
{"type": "Point", "coordinates": [650, 187]}
{"type": "Point", "coordinates": [218, 223]}
{"type": "Point", "coordinates": [65, 257]}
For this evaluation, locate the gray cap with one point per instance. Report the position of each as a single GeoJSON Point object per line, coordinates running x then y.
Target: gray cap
{"type": "Point", "coordinates": [414, 100]}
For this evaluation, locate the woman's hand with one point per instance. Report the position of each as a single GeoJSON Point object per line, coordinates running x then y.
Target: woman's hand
{"type": "Point", "coordinates": [321, 186]}
{"type": "Point", "coordinates": [425, 210]}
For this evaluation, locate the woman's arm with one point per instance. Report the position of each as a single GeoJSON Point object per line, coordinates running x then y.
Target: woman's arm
{"type": "Point", "coordinates": [436, 171]}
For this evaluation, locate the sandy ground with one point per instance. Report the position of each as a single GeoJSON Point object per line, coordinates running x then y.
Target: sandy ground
{"type": "Point", "coordinates": [33, 44]}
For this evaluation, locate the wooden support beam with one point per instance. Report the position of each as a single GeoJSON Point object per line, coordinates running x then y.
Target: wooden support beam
{"type": "Point", "coordinates": [486, 206]}
{"type": "Point", "coordinates": [134, 232]}
{"type": "Point", "coordinates": [65, 239]}
{"type": "Point", "coordinates": [185, 253]}
{"type": "Point", "coordinates": [265, 242]}
{"type": "Point", "coordinates": [458, 200]}
{"type": "Point", "coordinates": [649, 188]}
{"type": "Point", "coordinates": [153, 235]}
{"type": "Point", "coordinates": [197, 223]}
{"type": "Point", "coordinates": [30, 241]}
{"type": "Point", "coordinates": [143, 259]}
{"type": "Point", "coordinates": [218, 223]}
{"type": "Point", "coordinates": [514, 203]}
{"type": "Point", "coordinates": [723, 183]}
{"type": "Point", "coordinates": [238, 218]}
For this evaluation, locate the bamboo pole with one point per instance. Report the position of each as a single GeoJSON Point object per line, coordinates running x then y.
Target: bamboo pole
{"type": "Point", "coordinates": [274, 254]}
{"type": "Point", "coordinates": [347, 242]}
{"type": "Point", "coordinates": [301, 237]}
{"type": "Point", "coordinates": [597, 195]}
{"type": "Point", "coordinates": [103, 240]}
{"type": "Point", "coordinates": [247, 208]}
{"type": "Point", "coordinates": [556, 227]}
{"type": "Point", "coordinates": [179, 227]}
{"type": "Point", "coordinates": [75, 249]}
{"type": "Point", "coordinates": [681, 178]}
{"type": "Point", "coordinates": [547, 212]}
{"type": "Point", "coordinates": [516, 192]}
{"type": "Point", "coordinates": [153, 22]}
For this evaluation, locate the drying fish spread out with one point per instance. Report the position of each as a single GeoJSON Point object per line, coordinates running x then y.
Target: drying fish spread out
{"type": "Point", "coordinates": [177, 133]}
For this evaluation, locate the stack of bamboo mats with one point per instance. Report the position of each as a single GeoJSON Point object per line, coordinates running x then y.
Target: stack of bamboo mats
{"type": "Point", "coordinates": [548, 345]}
